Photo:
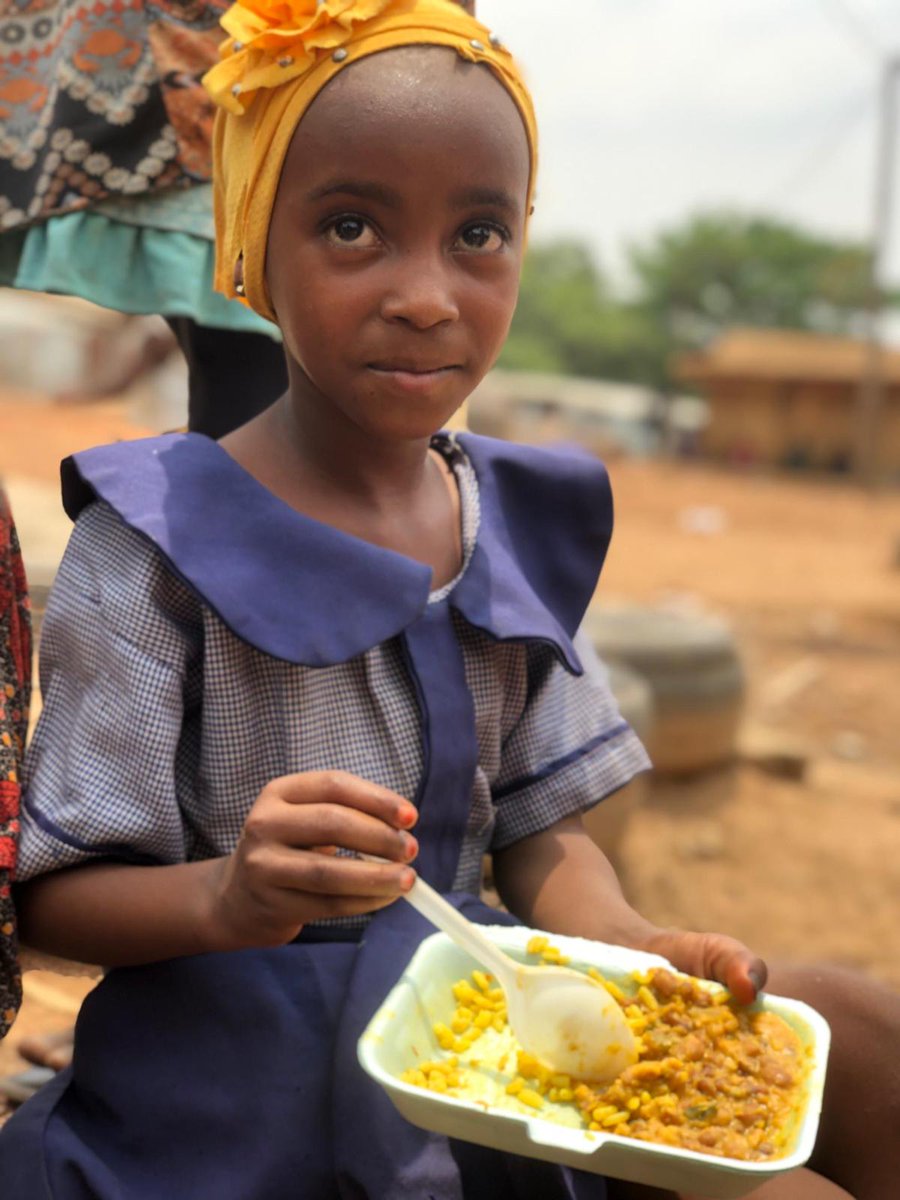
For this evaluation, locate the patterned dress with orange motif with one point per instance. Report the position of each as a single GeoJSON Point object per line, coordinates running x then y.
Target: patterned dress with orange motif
{"type": "Point", "coordinates": [15, 680]}
{"type": "Point", "coordinates": [101, 98]}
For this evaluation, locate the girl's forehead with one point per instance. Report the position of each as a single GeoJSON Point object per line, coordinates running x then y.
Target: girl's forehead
{"type": "Point", "coordinates": [407, 100]}
{"type": "Point", "coordinates": [408, 75]}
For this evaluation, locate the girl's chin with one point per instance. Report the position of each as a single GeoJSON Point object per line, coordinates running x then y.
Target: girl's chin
{"type": "Point", "coordinates": [401, 405]}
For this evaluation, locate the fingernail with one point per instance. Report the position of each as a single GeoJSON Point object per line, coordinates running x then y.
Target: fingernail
{"type": "Point", "coordinates": [411, 846]}
{"type": "Point", "coordinates": [407, 879]}
{"type": "Point", "coordinates": [756, 980]}
{"type": "Point", "coordinates": [407, 817]}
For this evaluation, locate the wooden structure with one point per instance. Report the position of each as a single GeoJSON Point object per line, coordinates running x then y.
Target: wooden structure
{"type": "Point", "coordinates": [790, 399]}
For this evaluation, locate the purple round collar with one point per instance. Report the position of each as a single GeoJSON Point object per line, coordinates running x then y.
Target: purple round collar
{"type": "Point", "coordinates": [305, 592]}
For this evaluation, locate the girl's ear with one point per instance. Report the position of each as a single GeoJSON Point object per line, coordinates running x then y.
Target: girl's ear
{"type": "Point", "coordinates": [239, 276]}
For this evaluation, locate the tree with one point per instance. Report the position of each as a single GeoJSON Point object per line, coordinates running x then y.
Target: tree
{"type": "Point", "coordinates": [689, 284]}
{"type": "Point", "coordinates": [559, 309]}
{"type": "Point", "coordinates": [725, 268]}
{"type": "Point", "coordinates": [568, 321]}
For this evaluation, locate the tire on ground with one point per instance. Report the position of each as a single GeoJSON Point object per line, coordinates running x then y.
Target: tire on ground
{"type": "Point", "coordinates": [692, 665]}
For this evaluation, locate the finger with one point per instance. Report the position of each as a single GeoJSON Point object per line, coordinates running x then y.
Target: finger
{"type": "Point", "coordinates": [305, 872]}
{"type": "Point", "coordinates": [746, 979]}
{"type": "Point", "coordinates": [715, 956]}
{"type": "Point", "coordinates": [307, 825]}
{"type": "Point", "coordinates": [327, 907]}
{"type": "Point", "coordinates": [351, 791]}
{"type": "Point", "coordinates": [730, 962]}
{"type": "Point", "coordinates": [295, 908]}
{"type": "Point", "coordinates": [350, 830]}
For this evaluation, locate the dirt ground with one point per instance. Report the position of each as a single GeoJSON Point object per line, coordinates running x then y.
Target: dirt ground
{"type": "Point", "coordinates": [808, 575]}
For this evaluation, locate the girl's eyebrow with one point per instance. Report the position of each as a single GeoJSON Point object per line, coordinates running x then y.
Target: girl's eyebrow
{"type": "Point", "coordinates": [369, 190]}
{"type": "Point", "coordinates": [488, 196]}
{"type": "Point", "coordinates": [362, 189]}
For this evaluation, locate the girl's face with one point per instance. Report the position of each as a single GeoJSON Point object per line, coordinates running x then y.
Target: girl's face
{"type": "Point", "coordinates": [396, 239]}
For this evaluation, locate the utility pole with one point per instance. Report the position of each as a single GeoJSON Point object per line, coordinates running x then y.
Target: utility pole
{"type": "Point", "coordinates": [872, 385]}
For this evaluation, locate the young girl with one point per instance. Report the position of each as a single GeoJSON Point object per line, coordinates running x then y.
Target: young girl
{"type": "Point", "coordinates": [336, 632]}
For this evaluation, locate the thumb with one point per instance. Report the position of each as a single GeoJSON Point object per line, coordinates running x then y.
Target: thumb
{"type": "Point", "coordinates": [714, 956]}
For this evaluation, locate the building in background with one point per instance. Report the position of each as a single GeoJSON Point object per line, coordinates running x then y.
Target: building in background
{"type": "Point", "coordinates": [789, 399]}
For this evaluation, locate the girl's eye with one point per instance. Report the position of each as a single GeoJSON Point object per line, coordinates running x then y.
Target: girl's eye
{"type": "Point", "coordinates": [483, 237]}
{"type": "Point", "coordinates": [351, 231]}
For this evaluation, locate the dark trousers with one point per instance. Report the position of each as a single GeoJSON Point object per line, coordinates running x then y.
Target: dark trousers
{"type": "Point", "coordinates": [231, 376]}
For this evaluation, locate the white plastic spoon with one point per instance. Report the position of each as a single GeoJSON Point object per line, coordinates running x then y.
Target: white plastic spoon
{"type": "Point", "coordinates": [565, 1019]}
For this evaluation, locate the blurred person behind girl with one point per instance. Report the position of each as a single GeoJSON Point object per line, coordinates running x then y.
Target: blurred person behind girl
{"type": "Point", "coordinates": [105, 164]}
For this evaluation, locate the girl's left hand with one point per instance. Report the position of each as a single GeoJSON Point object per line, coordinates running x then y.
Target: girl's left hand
{"type": "Point", "coordinates": [712, 956]}
{"type": "Point", "coordinates": [560, 881]}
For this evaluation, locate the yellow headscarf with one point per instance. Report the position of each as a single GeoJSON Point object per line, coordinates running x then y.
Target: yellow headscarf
{"type": "Point", "coordinates": [277, 58]}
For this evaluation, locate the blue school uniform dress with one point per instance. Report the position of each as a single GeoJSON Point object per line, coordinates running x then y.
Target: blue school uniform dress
{"type": "Point", "coordinates": [204, 638]}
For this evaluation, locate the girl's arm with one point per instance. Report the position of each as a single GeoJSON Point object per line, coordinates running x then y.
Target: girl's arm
{"type": "Point", "coordinates": [560, 881]}
{"type": "Point", "coordinates": [283, 873]}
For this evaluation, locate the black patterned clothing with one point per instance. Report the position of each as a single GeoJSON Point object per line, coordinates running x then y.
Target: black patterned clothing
{"type": "Point", "coordinates": [15, 683]}
{"type": "Point", "coordinates": [102, 98]}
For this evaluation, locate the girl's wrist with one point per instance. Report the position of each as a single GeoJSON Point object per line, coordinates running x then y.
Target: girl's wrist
{"type": "Point", "coordinates": [225, 922]}
{"type": "Point", "coordinates": [217, 924]}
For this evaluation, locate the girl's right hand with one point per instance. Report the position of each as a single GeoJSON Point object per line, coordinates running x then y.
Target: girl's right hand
{"type": "Point", "coordinates": [285, 870]}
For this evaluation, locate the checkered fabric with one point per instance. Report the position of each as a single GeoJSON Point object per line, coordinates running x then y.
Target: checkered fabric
{"type": "Point", "coordinates": [160, 726]}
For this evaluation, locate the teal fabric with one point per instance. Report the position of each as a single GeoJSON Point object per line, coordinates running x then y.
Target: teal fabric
{"type": "Point", "coordinates": [130, 267]}
{"type": "Point", "coordinates": [182, 210]}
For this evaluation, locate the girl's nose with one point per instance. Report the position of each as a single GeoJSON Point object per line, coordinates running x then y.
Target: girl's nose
{"type": "Point", "coordinates": [420, 294]}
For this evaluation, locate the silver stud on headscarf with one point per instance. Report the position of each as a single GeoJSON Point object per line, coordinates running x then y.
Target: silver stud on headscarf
{"type": "Point", "coordinates": [235, 89]}
{"type": "Point", "coordinates": [339, 55]}
{"type": "Point", "coordinates": [496, 40]}
{"type": "Point", "coordinates": [237, 47]}
{"type": "Point", "coordinates": [475, 44]}
{"type": "Point", "coordinates": [286, 61]}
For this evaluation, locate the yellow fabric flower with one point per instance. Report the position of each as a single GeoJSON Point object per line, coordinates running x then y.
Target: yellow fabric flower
{"type": "Point", "coordinates": [272, 43]}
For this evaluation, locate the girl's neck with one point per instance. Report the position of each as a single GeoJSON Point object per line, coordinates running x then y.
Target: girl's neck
{"type": "Point", "coordinates": [347, 464]}
{"type": "Point", "coordinates": [391, 492]}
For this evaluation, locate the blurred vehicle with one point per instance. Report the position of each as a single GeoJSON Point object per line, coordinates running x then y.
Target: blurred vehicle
{"type": "Point", "coordinates": [604, 416]}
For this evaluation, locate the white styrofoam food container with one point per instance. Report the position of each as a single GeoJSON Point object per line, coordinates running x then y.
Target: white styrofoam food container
{"type": "Point", "coordinates": [401, 1034]}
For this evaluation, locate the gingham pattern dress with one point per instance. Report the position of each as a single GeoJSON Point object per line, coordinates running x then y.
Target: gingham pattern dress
{"type": "Point", "coordinates": [204, 638]}
{"type": "Point", "coordinates": [169, 703]}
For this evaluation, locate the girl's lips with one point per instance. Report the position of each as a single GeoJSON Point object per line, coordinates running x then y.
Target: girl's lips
{"type": "Point", "coordinates": [412, 379]}
{"type": "Point", "coordinates": [408, 368]}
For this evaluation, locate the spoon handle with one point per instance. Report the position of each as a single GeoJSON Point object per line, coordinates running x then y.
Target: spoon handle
{"type": "Point", "coordinates": [465, 933]}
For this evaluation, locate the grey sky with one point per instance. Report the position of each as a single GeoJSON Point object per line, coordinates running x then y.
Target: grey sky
{"type": "Point", "coordinates": [650, 109]}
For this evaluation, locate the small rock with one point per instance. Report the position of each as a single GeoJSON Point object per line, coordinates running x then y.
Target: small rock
{"type": "Point", "coordinates": [824, 624]}
{"type": "Point", "coordinates": [774, 752]}
{"type": "Point", "coordinates": [705, 519]}
{"type": "Point", "coordinates": [788, 683]}
{"type": "Point", "coordinates": [849, 745]}
{"type": "Point", "coordinates": [702, 842]}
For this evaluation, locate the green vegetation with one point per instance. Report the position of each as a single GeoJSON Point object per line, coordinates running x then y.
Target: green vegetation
{"type": "Point", "coordinates": [689, 284]}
